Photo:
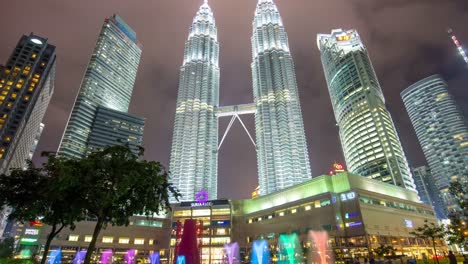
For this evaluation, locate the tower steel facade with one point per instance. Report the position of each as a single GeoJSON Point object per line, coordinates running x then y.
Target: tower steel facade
{"type": "Point", "coordinates": [368, 136]}
{"type": "Point", "coordinates": [108, 82]}
{"type": "Point", "coordinates": [442, 132]}
{"type": "Point", "coordinates": [194, 155]}
{"type": "Point", "coordinates": [282, 156]}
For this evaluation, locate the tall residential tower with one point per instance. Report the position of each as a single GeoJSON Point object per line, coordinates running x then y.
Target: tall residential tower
{"type": "Point", "coordinates": [26, 85]}
{"type": "Point", "coordinates": [368, 136]}
{"type": "Point", "coordinates": [108, 83]}
{"type": "Point", "coordinates": [442, 131]}
{"type": "Point", "coordinates": [282, 156]}
{"type": "Point", "coordinates": [194, 155]}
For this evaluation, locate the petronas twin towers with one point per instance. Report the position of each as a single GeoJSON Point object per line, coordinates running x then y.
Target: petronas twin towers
{"type": "Point", "coordinates": [281, 146]}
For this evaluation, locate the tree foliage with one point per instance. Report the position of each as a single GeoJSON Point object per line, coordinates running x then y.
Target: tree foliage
{"type": "Point", "coordinates": [115, 185]}
{"type": "Point", "coordinates": [42, 193]}
{"type": "Point", "coordinates": [430, 231]}
{"type": "Point", "coordinates": [457, 231]}
{"type": "Point", "coordinates": [382, 250]}
{"type": "Point", "coordinates": [7, 247]}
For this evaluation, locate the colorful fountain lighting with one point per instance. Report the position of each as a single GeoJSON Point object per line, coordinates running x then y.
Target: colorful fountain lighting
{"type": "Point", "coordinates": [321, 253]}
{"type": "Point", "coordinates": [55, 257]}
{"type": "Point", "coordinates": [290, 250]}
{"type": "Point", "coordinates": [181, 259]}
{"type": "Point", "coordinates": [130, 256]}
{"type": "Point", "coordinates": [232, 253]}
{"type": "Point", "coordinates": [260, 252]}
{"type": "Point", "coordinates": [154, 258]}
{"type": "Point", "coordinates": [106, 257]}
{"type": "Point", "coordinates": [79, 257]}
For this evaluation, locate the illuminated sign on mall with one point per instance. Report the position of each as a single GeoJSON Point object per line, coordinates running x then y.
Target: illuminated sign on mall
{"type": "Point", "coordinates": [33, 232]}
{"type": "Point", "coordinates": [201, 204]}
{"type": "Point", "coordinates": [347, 196]}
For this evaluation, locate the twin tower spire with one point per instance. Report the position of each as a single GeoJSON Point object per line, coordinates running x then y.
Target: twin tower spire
{"type": "Point", "coordinates": [282, 155]}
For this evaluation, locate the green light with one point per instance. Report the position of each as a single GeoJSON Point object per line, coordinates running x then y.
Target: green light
{"type": "Point", "coordinates": [28, 241]}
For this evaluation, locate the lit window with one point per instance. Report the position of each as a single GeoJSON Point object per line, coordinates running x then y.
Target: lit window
{"type": "Point", "coordinates": [308, 207]}
{"type": "Point", "coordinates": [13, 95]}
{"type": "Point", "coordinates": [293, 211]}
{"type": "Point", "coordinates": [281, 214]}
{"type": "Point", "coordinates": [201, 212]}
{"type": "Point", "coordinates": [34, 55]}
{"type": "Point", "coordinates": [250, 221]}
{"type": "Point", "coordinates": [139, 241]}
{"type": "Point", "coordinates": [73, 238]}
{"type": "Point", "coordinates": [19, 86]}
{"type": "Point", "coordinates": [221, 231]}
{"type": "Point", "coordinates": [9, 105]}
{"type": "Point", "coordinates": [7, 138]}
{"type": "Point", "coordinates": [151, 242]}
{"type": "Point", "coordinates": [259, 219]}
{"type": "Point", "coordinates": [26, 98]}
{"type": "Point", "coordinates": [124, 240]}
{"type": "Point", "coordinates": [107, 240]}
{"type": "Point", "coordinates": [88, 238]}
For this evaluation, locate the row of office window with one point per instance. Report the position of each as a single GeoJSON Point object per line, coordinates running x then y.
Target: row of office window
{"type": "Point", "coordinates": [111, 240]}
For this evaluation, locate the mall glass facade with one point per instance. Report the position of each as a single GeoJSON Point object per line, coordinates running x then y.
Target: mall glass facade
{"type": "Point", "coordinates": [215, 219]}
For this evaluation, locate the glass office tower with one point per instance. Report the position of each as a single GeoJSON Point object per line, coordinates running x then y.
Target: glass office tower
{"type": "Point", "coordinates": [108, 82]}
{"type": "Point", "coordinates": [442, 131]}
{"type": "Point", "coordinates": [194, 155]}
{"type": "Point", "coordinates": [282, 156]}
{"type": "Point", "coordinates": [368, 136]}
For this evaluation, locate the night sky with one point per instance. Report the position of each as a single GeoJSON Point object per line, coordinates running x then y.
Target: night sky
{"type": "Point", "coordinates": [406, 39]}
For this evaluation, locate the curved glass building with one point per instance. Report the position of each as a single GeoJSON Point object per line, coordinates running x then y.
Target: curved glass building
{"type": "Point", "coordinates": [194, 155]}
{"type": "Point", "coordinates": [283, 160]}
{"type": "Point", "coordinates": [441, 129]}
{"type": "Point", "coordinates": [368, 136]}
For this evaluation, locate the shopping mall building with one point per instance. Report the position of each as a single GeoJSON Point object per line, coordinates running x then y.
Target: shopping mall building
{"type": "Point", "coordinates": [358, 214]}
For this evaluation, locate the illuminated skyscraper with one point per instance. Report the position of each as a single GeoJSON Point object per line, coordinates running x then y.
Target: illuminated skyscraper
{"type": "Point", "coordinates": [459, 46]}
{"type": "Point", "coordinates": [441, 129]}
{"type": "Point", "coordinates": [368, 136]}
{"type": "Point", "coordinates": [108, 82]}
{"type": "Point", "coordinates": [26, 85]}
{"type": "Point", "coordinates": [282, 156]}
{"type": "Point", "coordinates": [427, 190]}
{"type": "Point", "coordinates": [194, 156]}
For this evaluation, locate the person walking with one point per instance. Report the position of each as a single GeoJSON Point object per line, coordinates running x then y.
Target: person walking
{"type": "Point", "coordinates": [452, 258]}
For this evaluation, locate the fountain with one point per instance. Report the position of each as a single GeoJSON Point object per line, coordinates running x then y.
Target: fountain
{"type": "Point", "coordinates": [289, 249]}
{"type": "Point", "coordinates": [232, 253]}
{"type": "Point", "coordinates": [321, 253]}
{"type": "Point", "coordinates": [180, 259]}
{"type": "Point", "coordinates": [154, 258]}
{"type": "Point", "coordinates": [106, 256]}
{"type": "Point", "coordinates": [55, 257]}
{"type": "Point", "coordinates": [79, 257]}
{"type": "Point", "coordinates": [188, 247]}
{"type": "Point", "coordinates": [260, 252]}
{"type": "Point", "coordinates": [130, 256]}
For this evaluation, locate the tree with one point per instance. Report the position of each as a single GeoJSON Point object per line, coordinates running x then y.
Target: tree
{"type": "Point", "coordinates": [41, 193]}
{"type": "Point", "coordinates": [457, 231]}
{"type": "Point", "coordinates": [430, 231]}
{"type": "Point", "coordinates": [382, 250]}
{"type": "Point", "coordinates": [115, 185]}
{"type": "Point", "coordinates": [7, 247]}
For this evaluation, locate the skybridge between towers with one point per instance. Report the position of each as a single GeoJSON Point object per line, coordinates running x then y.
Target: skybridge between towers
{"type": "Point", "coordinates": [235, 111]}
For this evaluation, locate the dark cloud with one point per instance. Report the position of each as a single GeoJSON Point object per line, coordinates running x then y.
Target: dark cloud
{"type": "Point", "coordinates": [406, 39]}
